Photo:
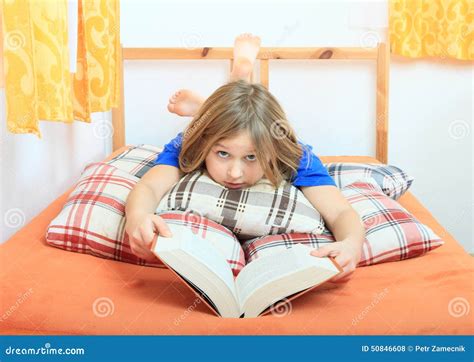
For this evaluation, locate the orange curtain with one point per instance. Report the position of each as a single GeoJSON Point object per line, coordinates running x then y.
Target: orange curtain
{"type": "Point", "coordinates": [38, 81]}
{"type": "Point", "coordinates": [434, 28]}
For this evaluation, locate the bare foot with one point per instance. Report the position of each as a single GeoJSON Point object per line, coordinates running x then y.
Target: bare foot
{"type": "Point", "coordinates": [246, 47]}
{"type": "Point", "coordinates": [185, 103]}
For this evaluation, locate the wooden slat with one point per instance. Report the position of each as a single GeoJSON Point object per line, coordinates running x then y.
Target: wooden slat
{"type": "Point", "coordinates": [264, 53]}
{"type": "Point", "coordinates": [380, 54]}
{"type": "Point", "coordinates": [264, 73]}
{"type": "Point", "coordinates": [118, 115]}
{"type": "Point", "coordinates": [383, 58]}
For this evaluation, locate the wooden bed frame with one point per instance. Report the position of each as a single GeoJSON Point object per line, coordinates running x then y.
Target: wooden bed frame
{"type": "Point", "coordinates": [380, 54]}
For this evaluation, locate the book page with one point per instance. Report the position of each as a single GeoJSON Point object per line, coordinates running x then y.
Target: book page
{"type": "Point", "coordinates": [201, 292]}
{"type": "Point", "coordinates": [200, 249]}
{"type": "Point", "coordinates": [269, 269]}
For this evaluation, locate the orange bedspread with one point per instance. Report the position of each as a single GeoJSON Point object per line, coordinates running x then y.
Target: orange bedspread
{"type": "Point", "coordinates": [46, 290]}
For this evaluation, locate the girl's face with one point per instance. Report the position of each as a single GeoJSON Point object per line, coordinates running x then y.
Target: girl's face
{"type": "Point", "coordinates": [232, 162]}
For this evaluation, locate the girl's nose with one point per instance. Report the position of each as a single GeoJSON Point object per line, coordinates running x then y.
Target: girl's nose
{"type": "Point", "coordinates": [235, 172]}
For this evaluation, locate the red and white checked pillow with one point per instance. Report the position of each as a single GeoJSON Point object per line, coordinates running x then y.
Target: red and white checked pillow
{"type": "Point", "coordinates": [93, 220]}
{"type": "Point", "coordinates": [392, 233]}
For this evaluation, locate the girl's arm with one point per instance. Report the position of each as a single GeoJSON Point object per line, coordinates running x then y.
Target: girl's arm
{"type": "Point", "coordinates": [141, 221]}
{"type": "Point", "coordinates": [148, 192]}
{"type": "Point", "coordinates": [344, 223]}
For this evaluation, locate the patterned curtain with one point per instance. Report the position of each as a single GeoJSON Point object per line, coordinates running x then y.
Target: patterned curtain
{"type": "Point", "coordinates": [38, 81]}
{"type": "Point", "coordinates": [432, 28]}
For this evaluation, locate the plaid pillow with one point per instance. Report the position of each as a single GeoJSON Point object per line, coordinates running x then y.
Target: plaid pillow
{"type": "Point", "coordinates": [393, 181]}
{"type": "Point", "coordinates": [93, 220]}
{"type": "Point", "coordinates": [392, 233]}
{"type": "Point", "coordinates": [255, 211]}
{"type": "Point", "coordinates": [136, 160]}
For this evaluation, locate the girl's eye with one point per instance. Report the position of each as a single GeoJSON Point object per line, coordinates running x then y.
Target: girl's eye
{"type": "Point", "coordinates": [224, 154]}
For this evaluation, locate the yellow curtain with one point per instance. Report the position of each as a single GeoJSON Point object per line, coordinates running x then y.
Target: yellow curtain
{"type": "Point", "coordinates": [432, 28]}
{"type": "Point", "coordinates": [38, 81]}
{"type": "Point", "coordinates": [96, 82]}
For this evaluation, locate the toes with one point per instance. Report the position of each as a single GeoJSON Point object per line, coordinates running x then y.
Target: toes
{"type": "Point", "coordinates": [180, 94]}
{"type": "Point", "coordinates": [174, 97]}
{"type": "Point", "coordinates": [248, 37]}
{"type": "Point", "coordinates": [176, 109]}
{"type": "Point", "coordinates": [180, 109]}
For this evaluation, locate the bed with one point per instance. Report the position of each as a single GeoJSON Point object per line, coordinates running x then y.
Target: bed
{"type": "Point", "coordinates": [46, 290]}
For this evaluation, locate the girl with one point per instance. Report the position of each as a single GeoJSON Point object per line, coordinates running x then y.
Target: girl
{"type": "Point", "coordinates": [240, 134]}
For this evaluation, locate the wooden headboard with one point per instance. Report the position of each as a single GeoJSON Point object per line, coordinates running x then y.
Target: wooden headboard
{"type": "Point", "coordinates": [380, 54]}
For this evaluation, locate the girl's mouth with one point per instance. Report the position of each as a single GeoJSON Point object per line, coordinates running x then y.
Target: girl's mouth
{"type": "Point", "coordinates": [233, 186]}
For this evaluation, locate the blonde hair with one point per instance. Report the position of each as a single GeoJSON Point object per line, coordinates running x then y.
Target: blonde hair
{"type": "Point", "coordinates": [241, 106]}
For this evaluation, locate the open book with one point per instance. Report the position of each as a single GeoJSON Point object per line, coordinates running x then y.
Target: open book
{"type": "Point", "coordinates": [264, 281]}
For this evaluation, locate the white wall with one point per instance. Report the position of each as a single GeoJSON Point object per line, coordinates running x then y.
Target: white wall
{"type": "Point", "coordinates": [331, 104]}
{"type": "Point", "coordinates": [35, 171]}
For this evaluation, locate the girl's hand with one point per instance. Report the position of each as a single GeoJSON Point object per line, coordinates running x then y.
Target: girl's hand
{"type": "Point", "coordinates": [347, 254]}
{"type": "Point", "coordinates": [141, 230]}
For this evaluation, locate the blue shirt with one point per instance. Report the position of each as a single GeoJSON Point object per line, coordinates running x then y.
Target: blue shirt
{"type": "Point", "coordinates": [311, 171]}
